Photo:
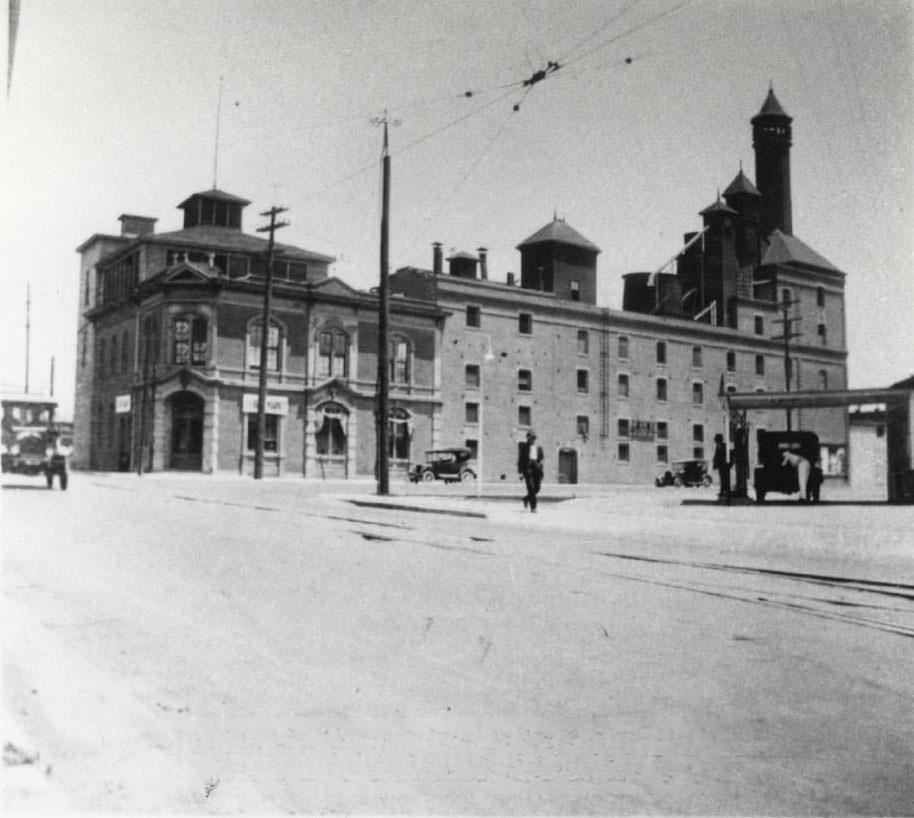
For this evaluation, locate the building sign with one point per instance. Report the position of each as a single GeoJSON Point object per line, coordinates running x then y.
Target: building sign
{"type": "Point", "coordinates": [122, 404]}
{"type": "Point", "coordinates": [274, 404]}
{"type": "Point", "coordinates": [641, 430]}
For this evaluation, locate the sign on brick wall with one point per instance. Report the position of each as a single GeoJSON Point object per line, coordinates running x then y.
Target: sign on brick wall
{"type": "Point", "coordinates": [275, 404]}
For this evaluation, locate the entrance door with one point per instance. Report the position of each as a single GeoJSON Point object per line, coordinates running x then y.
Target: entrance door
{"type": "Point", "coordinates": [124, 425]}
{"type": "Point", "coordinates": [186, 432]}
{"type": "Point", "coordinates": [568, 466]}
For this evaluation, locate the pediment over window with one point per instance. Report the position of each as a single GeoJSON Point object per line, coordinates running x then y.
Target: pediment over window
{"type": "Point", "coordinates": [335, 389]}
{"type": "Point", "coordinates": [185, 272]}
{"type": "Point", "coordinates": [334, 286]}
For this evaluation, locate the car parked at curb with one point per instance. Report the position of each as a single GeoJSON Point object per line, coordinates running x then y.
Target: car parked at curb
{"type": "Point", "coordinates": [450, 465]}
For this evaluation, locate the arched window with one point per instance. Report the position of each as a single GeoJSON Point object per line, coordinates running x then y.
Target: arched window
{"type": "Point", "coordinates": [333, 354]}
{"type": "Point", "coordinates": [332, 430]}
{"type": "Point", "coordinates": [399, 433]}
{"type": "Point", "coordinates": [189, 340]}
{"type": "Point", "coordinates": [274, 345]}
{"type": "Point", "coordinates": [398, 360]}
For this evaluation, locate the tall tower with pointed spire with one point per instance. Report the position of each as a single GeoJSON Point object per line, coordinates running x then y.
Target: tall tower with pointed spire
{"type": "Point", "coordinates": [771, 138]}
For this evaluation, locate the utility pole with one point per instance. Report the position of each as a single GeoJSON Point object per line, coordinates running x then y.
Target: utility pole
{"type": "Point", "coordinates": [28, 332]}
{"type": "Point", "coordinates": [788, 334]}
{"type": "Point", "coordinates": [271, 228]}
{"type": "Point", "coordinates": [381, 413]}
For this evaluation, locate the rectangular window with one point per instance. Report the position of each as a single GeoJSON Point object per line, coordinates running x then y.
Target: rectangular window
{"type": "Point", "coordinates": [575, 290]}
{"type": "Point", "coordinates": [254, 336]}
{"type": "Point", "coordinates": [524, 416]}
{"type": "Point", "coordinates": [661, 388]}
{"type": "Point", "coordinates": [696, 357]}
{"type": "Point", "coordinates": [823, 379]}
{"type": "Point", "coordinates": [698, 453]}
{"type": "Point", "coordinates": [332, 354]}
{"type": "Point", "coordinates": [698, 433]}
{"type": "Point", "coordinates": [125, 353]}
{"type": "Point", "coordinates": [623, 385]}
{"type": "Point", "coordinates": [698, 393]}
{"type": "Point", "coordinates": [583, 381]}
{"type": "Point", "coordinates": [820, 297]}
{"type": "Point", "coordinates": [623, 347]}
{"type": "Point", "coordinates": [473, 316]}
{"type": "Point", "coordinates": [622, 427]}
{"type": "Point", "coordinates": [661, 352]}
{"type": "Point", "coordinates": [471, 413]}
{"type": "Point", "coordinates": [583, 425]}
{"type": "Point", "coordinates": [472, 376]}
{"type": "Point", "coordinates": [759, 364]}
{"type": "Point", "coordinates": [759, 325]}
{"type": "Point", "coordinates": [473, 445]}
{"type": "Point", "coordinates": [525, 323]}
{"type": "Point", "coordinates": [731, 361]}
{"type": "Point", "coordinates": [399, 361]}
{"type": "Point", "coordinates": [270, 433]}
{"type": "Point", "coordinates": [663, 430]}
{"type": "Point", "coordinates": [823, 336]}
{"type": "Point", "coordinates": [663, 454]}
{"type": "Point", "coordinates": [583, 342]}
{"type": "Point", "coordinates": [623, 453]}
{"type": "Point", "coordinates": [524, 380]}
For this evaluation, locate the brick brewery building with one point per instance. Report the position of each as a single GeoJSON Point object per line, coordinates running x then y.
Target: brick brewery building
{"type": "Point", "coordinates": [170, 338]}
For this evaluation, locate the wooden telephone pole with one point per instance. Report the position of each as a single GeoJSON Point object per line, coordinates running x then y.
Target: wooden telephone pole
{"type": "Point", "coordinates": [271, 228]}
{"type": "Point", "coordinates": [787, 335]}
{"type": "Point", "coordinates": [382, 410]}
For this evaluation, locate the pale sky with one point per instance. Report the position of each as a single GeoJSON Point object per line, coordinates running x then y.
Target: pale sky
{"type": "Point", "coordinates": [113, 109]}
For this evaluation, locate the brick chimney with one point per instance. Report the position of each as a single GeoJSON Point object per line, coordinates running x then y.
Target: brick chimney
{"type": "Point", "coordinates": [437, 259]}
{"type": "Point", "coordinates": [483, 264]}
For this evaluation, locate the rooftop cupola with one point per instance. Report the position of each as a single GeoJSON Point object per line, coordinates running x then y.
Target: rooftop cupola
{"type": "Point", "coordinates": [213, 208]}
{"type": "Point", "coordinates": [772, 137]}
{"type": "Point", "coordinates": [558, 259]}
{"type": "Point", "coordinates": [743, 196]}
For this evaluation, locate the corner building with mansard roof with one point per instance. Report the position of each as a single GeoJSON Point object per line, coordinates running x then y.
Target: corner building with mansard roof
{"type": "Point", "coordinates": [617, 395]}
{"type": "Point", "coordinates": [169, 340]}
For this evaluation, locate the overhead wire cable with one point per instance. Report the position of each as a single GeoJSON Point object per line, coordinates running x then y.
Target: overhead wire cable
{"type": "Point", "coordinates": [599, 30]}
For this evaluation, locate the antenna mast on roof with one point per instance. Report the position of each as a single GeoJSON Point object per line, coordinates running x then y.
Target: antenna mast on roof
{"type": "Point", "coordinates": [216, 147]}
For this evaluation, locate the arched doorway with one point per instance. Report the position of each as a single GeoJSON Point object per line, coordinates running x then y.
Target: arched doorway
{"type": "Point", "coordinates": [331, 439]}
{"type": "Point", "coordinates": [186, 432]}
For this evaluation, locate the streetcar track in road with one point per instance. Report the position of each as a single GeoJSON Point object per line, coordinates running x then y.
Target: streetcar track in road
{"type": "Point", "coordinates": [765, 601]}
{"type": "Point", "coordinates": [297, 512]}
{"type": "Point", "coordinates": [442, 546]}
{"type": "Point", "coordinates": [861, 585]}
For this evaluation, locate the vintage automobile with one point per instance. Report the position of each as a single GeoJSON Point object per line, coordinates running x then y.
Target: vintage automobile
{"type": "Point", "coordinates": [32, 441]}
{"type": "Point", "coordinates": [685, 473]}
{"type": "Point", "coordinates": [772, 474]}
{"type": "Point", "coordinates": [450, 465]}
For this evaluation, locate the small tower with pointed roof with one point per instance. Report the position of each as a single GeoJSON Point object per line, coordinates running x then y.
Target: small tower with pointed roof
{"type": "Point", "coordinates": [557, 259]}
{"type": "Point", "coordinates": [771, 138]}
{"type": "Point", "coordinates": [743, 197]}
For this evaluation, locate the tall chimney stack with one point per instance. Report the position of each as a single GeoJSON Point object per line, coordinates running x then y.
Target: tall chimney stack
{"type": "Point", "coordinates": [483, 264]}
{"type": "Point", "coordinates": [437, 259]}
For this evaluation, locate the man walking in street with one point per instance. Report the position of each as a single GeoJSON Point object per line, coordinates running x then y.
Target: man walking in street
{"type": "Point", "coordinates": [530, 467]}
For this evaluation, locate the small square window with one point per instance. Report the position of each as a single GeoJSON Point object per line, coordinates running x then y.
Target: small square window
{"type": "Point", "coordinates": [583, 426]}
{"type": "Point", "coordinates": [472, 413]}
{"type": "Point", "coordinates": [472, 376]}
{"type": "Point", "coordinates": [663, 454]}
{"type": "Point", "coordinates": [623, 386]}
{"type": "Point", "coordinates": [698, 433]}
{"type": "Point", "coordinates": [698, 453]}
{"type": "Point", "coordinates": [696, 357]}
{"type": "Point", "coordinates": [623, 452]}
{"type": "Point", "coordinates": [473, 316]}
{"type": "Point", "coordinates": [583, 380]}
{"type": "Point", "coordinates": [698, 393]}
{"type": "Point", "coordinates": [525, 323]}
{"type": "Point", "coordinates": [524, 380]}
{"type": "Point", "coordinates": [663, 430]}
{"type": "Point", "coordinates": [759, 325]}
{"type": "Point", "coordinates": [583, 342]}
{"type": "Point", "coordinates": [622, 426]}
{"type": "Point", "coordinates": [524, 416]}
{"type": "Point", "coordinates": [623, 346]}
{"type": "Point", "coordinates": [270, 433]}
{"type": "Point", "coordinates": [661, 352]}
{"type": "Point", "coordinates": [661, 389]}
